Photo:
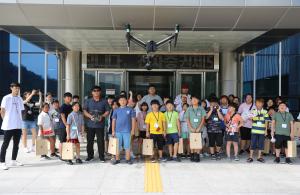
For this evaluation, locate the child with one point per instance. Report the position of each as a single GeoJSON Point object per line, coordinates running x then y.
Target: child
{"type": "Point", "coordinates": [233, 123]}
{"type": "Point", "coordinates": [173, 130]}
{"type": "Point", "coordinates": [271, 112]}
{"type": "Point", "coordinates": [195, 116]}
{"type": "Point", "coordinates": [259, 130]}
{"type": "Point", "coordinates": [141, 124]}
{"type": "Point", "coordinates": [184, 130]}
{"type": "Point", "coordinates": [123, 125]}
{"type": "Point", "coordinates": [55, 116]}
{"type": "Point", "coordinates": [75, 130]}
{"type": "Point", "coordinates": [155, 128]}
{"type": "Point", "coordinates": [283, 130]}
{"type": "Point", "coordinates": [46, 129]}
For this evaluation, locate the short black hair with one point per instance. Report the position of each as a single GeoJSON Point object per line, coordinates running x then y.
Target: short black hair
{"type": "Point", "coordinates": [74, 103]}
{"type": "Point", "coordinates": [169, 102]}
{"type": "Point", "coordinates": [151, 86]}
{"type": "Point", "coordinates": [214, 99]}
{"type": "Point", "coordinates": [154, 102]}
{"type": "Point", "coordinates": [110, 97]}
{"type": "Point", "coordinates": [55, 101]}
{"type": "Point", "coordinates": [144, 104]}
{"type": "Point", "coordinates": [44, 104]}
{"type": "Point", "coordinates": [282, 103]}
{"type": "Point", "coordinates": [76, 97]}
{"type": "Point", "coordinates": [68, 94]}
{"type": "Point", "coordinates": [234, 105]}
{"type": "Point", "coordinates": [115, 102]}
{"type": "Point", "coordinates": [122, 97]}
{"type": "Point", "coordinates": [15, 84]}
{"type": "Point", "coordinates": [96, 87]}
{"type": "Point", "coordinates": [194, 96]}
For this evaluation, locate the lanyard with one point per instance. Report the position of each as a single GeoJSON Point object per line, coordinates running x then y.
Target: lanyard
{"type": "Point", "coordinates": [156, 118]}
{"type": "Point", "coordinates": [196, 110]}
{"type": "Point", "coordinates": [169, 118]}
{"type": "Point", "coordinates": [284, 119]}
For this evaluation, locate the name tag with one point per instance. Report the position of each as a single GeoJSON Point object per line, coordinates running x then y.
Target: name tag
{"type": "Point", "coordinates": [29, 112]}
{"type": "Point", "coordinates": [259, 123]}
{"type": "Point", "coordinates": [128, 112]}
{"type": "Point", "coordinates": [74, 128]}
{"type": "Point", "coordinates": [284, 126]}
{"type": "Point", "coordinates": [196, 120]}
{"type": "Point", "coordinates": [231, 133]}
{"type": "Point", "coordinates": [144, 126]}
{"type": "Point", "coordinates": [216, 119]}
{"type": "Point", "coordinates": [156, 125]}
{"type": "Point", "coordinates": [169, 125]}
{"type": "Point", "coordinates": [56, 120]}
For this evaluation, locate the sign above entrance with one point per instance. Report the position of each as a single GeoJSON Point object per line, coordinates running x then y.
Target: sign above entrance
{"type": "Point", "coordinates": [132, 61]}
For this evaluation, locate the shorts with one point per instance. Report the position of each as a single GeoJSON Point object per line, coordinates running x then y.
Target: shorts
{"type": "Point", "coordinates": [124, 140]}
{"type": "Point", "coordinates": [142, 134]}
{"type": "Point", "coordinates": [215, 139]}
{"type": "Point", "coordinates": [172, 138]}
{"type": "Point", "coordinates": [74, 141]}
{"type": "Point", "coordinates": [158, 141]}
{"type": "Point", "coordinates": [245, 133]}
{"type": "Point", "coordinates": [232, 138]}
{"type": "Point", "coordinates": [257, 142]}
{"type": "Point", "coordinates": [29, 125]}
{"type": "Point", "coordinates": [185, 135]}
{"type": "Point", "coordinates": [281, 141]}
{"type": "Point", "coordinates": [62, 136]}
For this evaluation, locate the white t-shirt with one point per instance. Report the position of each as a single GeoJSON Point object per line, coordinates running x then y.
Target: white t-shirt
{"type": "Point", "coordinates": [45, 121]}
{"type": "Point", "coordinates": [13, 106]}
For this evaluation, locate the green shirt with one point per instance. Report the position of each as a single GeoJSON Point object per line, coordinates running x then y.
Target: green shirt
{"type": "Point", "coordinates": [283, 123]}
{"type": "Point", "coordinates": [195, 116]}
{"type": "Point", "coordinates": [171, 120]}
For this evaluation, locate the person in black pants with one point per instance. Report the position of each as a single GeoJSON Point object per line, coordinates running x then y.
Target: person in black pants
{"type": "Point", "coordinates": [95, 110]}
{"type": "Point", "coordinates": [11, 113]}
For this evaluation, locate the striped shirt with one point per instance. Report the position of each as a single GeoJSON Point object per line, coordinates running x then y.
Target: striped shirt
{"type": "Point", "coordinates": [259, 121]}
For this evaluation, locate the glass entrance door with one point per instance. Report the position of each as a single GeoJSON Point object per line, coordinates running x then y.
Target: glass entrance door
{"type": "Point", "coordinates": [111, 83]}
{"type": "Point", "coordinates": [194, 80]}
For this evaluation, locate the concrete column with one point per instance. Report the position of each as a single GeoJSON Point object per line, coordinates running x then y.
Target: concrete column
{"type": "Point", "coordinates": [228, 70]}
{"type": "Point", "coordinates": [72, 72]}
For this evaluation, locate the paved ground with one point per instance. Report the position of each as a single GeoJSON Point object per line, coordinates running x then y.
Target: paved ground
{"type": "Point", "coordinates": [206, 177]}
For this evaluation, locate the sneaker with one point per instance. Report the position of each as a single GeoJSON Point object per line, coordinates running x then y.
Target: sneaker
{"type": "Point", "coordinates": [102, 160]}
{"type": "Point", "coordinates": [241, 152]}
{"type": "Point", "coordinates": [132, 155]}
{"type": "Point", "coordinates": [201, 155]}
{"type": "Point", "coordinates": [45, 157]}
{"type": "Point", "coordinates": [288, 161]}
{"type": "Point", "coordinates": [129, 162]}
{"type": "Point", "coordinates": [3, 166]}
{"type": "Point", "coordinates": [27, 150]}
{"type": "Point", "coordinates": [78, 161]}
{"type": "Point", "coordinates": [261, 160]}
{"type": "Point", "coordinates": [69, 162]}
{"type": "Point", "coordinates": [162, 159]}
{"type": "Point", "coordinates": [213, 157]}
{"type": "Point", "coordinates": [89, 159]}
{"type": "Point", "coordinates": [170, 158]}
{"type": "Point", "coordinates": [192, 157]}
{"type": "Point", "coordinates": [32, 149]}
{"type": "Point", "coordinates": [197, 158]}
{"type": "Point", "coordinates": [277, 160]}
{"type": "Point", "coordinates": [114, 162]}
{"type": "Point", "coordinates": [236, 158]}
{"type": "Point", "coordinates": [177, 159]}
{"type": "Point", "coordinates": [153, 160]}
{"type": "Point", "coordinates": [206, 154]}
{"type": "Point", "coordinates": [54, 155]}
{"type": "Point", "coordinates": [15, 163]}
{"type": "Point", "coordinates": [250, 160]}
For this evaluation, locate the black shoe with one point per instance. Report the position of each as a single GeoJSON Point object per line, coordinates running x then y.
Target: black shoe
{"type": "Point", "coordinates": [177, 159]}
{"type": "Point", "coordinates": [170, 158]}
{"type": "Point", "coordinates": [277, 160]}
{"type": "Point", "coordinates": [45, 157]}
{"type": "Point", "coordinates": [261, 160]}
{"type": "Point", "coordinates": [129, 162]}
{"type": "Point", "coordinates": [218, 156]}
{"type": "Point", "coordinates": [78, 161]}
{"type": "Point", "coordinates": [89, 159]}
{"type": "Point", "coordinates": [54, 155]}
{"type": "Point", "coordinates": [250, 160]}
{"type": "Point", "coordinates": [241, 152]}
{"type": "Point", "coordinates": [192, 157]}
{"type": "Point", "coordinates": [70, 162]}
{"type": "Point", "coordinates": [102, 160]}
{"type": "Point", "coordinates": [288, 161]}
{"type": "Point", "coordinates": [197, 158]}
{"type": "Point", "coordinates": [213, 157]}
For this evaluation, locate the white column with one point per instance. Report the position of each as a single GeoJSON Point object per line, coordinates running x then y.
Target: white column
{"type": "Point", "coordinates": [72, 72]}
{"type": "Point", "coordinates": [228, 70]}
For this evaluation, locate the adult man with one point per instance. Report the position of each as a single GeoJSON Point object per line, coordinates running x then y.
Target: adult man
{"type": "Point", "coordinates": [11, 113]}
{"type": "Point", "coordinates": [184, 92]}
{"type": "Point", "coordinates": [95, 110]}
{"type": "Point", "coordinates": [151, 96]}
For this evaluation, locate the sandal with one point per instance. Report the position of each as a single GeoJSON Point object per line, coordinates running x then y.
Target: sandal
{"type": "Point", "coordinates": [250, 160]}
{"type": "Point", "coordinates": [261, 160]}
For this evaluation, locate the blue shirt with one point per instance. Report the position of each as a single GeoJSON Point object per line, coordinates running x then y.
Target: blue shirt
{"type": "Point", "coordinates": [123, 117]}
{"type": "Point", "coordinates": [96, 109]}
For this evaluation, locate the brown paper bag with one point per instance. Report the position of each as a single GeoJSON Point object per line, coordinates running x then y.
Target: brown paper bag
{"type": "Point", "coordinates": [180, 146]}
{"type": "Point", "coordinates": [195, 141]}
{"type": "Point", "coordinates": [297, 129]}
{"type": "Point", "coordinates": [113, 146]}
{"type": "Point", "coordinates": [67, 151]}
{"type": "Point", "coordinates": [267, 146]}
{"type": "Point", "coordinates": [148, 147]}
{"type": "Point", "coordinates": [292, 149]}
{"type": "Point", "coordinates": [41, 146]}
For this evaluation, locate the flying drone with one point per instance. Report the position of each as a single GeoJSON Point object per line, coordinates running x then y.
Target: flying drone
{"type": "Point", "coordinates": [151, 46]}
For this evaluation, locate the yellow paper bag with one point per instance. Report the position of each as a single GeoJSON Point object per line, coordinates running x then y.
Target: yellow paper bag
{"type": "Point", "coordinates": [41, 146]}
{"type": "Point", "coordinates": [267, 146]}
{"type": "Point", "coordinates": [180, 146]}
{"type": "Point", "coordinates": [148, 147]}
{"type": "Point", "coordinates": [297, 129]}
{"type": "Point", "coordinates": [113, 146]}
{"type": "Point", "coordinates": [67, 151]}
{"type": "Point", "coordinates": [292, 149]}
{"type": "Point", "coordinates": [195, 141]}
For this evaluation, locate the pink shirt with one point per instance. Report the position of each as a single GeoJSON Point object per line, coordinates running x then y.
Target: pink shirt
{"type": "Point", "coordinates": [141, 121]}
{"type": "Point", "coordinates": [244, 109]}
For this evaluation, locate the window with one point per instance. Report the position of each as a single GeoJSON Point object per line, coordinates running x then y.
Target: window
{"type": "Point", "coordinates": [248, 73]}
{"type": "Point", "coordinates": [52, 74]}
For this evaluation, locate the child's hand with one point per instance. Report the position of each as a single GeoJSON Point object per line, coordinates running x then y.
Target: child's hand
{"type": "Point", "coordinates": [68, 137]}
{"type": "Point", "coordinates": [113, 134]}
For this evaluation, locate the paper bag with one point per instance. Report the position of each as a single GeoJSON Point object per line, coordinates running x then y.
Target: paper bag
{"type": "Point", "coordinates": [148, 147]}
{"type": "Point", "coordinates": [195, 141]}
{"type": "Point", "coordinates": [292, 149]}
{"type": "Point", "coordinates": [297, 129]}
{"type": "Point", "coordinates": [180, 146]}
{"type": "Point", "coordinates": [41, 146]}
{"type": "Point", "coordinates": [267, 146]}
{"type": "Point", "coordinates": [67, 151]}
{"type": "Point", "coordinates": [113, 146]}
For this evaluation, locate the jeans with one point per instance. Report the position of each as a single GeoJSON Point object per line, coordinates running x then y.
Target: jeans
{"type": "Point", "coordinates": [99, 132]}
{"type": "Point", "coordinates": [16, 135]}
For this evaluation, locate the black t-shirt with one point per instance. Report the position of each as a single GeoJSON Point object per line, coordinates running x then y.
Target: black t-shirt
{"type": "Point", "coordinates": [30, 111]}
{"type": "Point", "coordinates": [66, 109]}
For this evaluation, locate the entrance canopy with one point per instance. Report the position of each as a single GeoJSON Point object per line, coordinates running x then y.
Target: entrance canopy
{"type": "Point", "coordinates": [98, 25]}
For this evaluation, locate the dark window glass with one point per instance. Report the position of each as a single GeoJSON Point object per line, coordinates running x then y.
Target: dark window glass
{"type": "Point", "coordinates": [52, 74]}
{"type": "Point", "coordinates": [248, 69]}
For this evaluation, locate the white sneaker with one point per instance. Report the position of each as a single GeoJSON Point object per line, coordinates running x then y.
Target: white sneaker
{"type": "Point", "coordinates": [15, 163]}
{"type": "Point", "coordinates": [26, 150]}
{"type": "Point", "coordinates": [3, 166]}
{"type": "Point", "coordinates": [32, 149]}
